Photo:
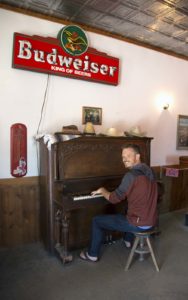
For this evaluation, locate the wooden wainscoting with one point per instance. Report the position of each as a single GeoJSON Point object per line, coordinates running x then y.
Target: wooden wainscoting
{"type": "Point", "coordinates": [19, 211]}
{"type": "Point", "coordinates": [175, 188]}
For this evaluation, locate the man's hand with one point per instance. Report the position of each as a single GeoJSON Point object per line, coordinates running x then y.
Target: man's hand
{"type": "Point", "coordinates": [102, 191]}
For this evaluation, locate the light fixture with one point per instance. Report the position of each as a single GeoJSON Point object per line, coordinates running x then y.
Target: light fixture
{"type": "Point", "coordinates": [166, 106]}
{"type": "Point", "coordinates": [164, 101]}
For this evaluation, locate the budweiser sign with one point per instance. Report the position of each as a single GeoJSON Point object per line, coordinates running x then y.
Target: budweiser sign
{"type": "Point", "coordinates": [46, 55]}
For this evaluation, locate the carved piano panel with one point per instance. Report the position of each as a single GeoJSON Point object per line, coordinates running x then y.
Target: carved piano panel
{"type": "Point", "coordinates": [95, 156]}
{"type": "Point", "coordinates": [70, 170]}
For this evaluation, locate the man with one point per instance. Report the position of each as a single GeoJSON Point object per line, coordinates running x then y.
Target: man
{"type": "Point", "coordinates": [139, 187]}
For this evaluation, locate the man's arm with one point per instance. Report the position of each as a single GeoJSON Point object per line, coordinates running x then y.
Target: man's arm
{"type": "Point", "coordinates": [118, 194]}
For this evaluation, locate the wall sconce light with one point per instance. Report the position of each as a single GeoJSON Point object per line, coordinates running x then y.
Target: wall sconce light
{"type": "Point", "coordinates": [166, 106]}
{"type": "Point", "coordinates": [164, 101]}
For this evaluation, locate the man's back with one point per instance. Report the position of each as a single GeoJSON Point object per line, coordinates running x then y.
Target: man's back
{"type": "Point", "coordinates": [139, 187]}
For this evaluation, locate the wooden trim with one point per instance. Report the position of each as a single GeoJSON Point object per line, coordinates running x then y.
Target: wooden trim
{"type": "Point", "coordinates": [19, 181]}
{"type": "Point", "coordinates": [92, 29]}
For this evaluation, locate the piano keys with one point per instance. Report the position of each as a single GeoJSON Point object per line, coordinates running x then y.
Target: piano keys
{"type": "Point", "coordinates": [86, 197]}
{"type": "Point", "coordinates": [69, 171]}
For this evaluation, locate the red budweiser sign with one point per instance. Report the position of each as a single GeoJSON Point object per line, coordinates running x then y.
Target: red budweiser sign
{"type": "Point", "coordinates": [46, 55]}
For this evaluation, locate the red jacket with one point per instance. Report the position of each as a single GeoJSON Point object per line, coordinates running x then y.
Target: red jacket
{"type": "Point", "coordinates": [139, 187]}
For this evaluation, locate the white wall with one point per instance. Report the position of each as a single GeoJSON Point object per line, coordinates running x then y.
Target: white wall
{"type": "Point", "coordinates": [144, 75]}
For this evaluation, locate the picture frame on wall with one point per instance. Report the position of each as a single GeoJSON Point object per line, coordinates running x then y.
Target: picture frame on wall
{"type": "Point", "coordinates": [92, 114]}
{"type": "Point", "coordinates": [182, 132]}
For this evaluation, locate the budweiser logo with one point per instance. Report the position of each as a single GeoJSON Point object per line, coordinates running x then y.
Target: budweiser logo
{"type": "Point", "coordinates": [46, 55]}
{"type": "Point", "coordinates": [73, 40]}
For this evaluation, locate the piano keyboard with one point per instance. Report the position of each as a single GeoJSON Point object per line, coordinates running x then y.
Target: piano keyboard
{"type": "Point", "coordinates": [86, 197]}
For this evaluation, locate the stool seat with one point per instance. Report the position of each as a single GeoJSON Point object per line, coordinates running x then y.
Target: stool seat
{"type": "Point", "coordinates": [142, 245]}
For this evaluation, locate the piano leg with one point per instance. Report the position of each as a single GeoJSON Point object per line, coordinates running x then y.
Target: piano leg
{"type": "Point", "coordinates": [62, 231]}
{"type": "Point", "coordinates": [67, 257]}
{"type": "Point", "coordinates": [58, 228]}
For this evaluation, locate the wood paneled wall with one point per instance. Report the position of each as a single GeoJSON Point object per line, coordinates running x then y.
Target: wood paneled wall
{"type": "Point", "coordinates": [175, 188]}
{"type": "Point", "coordinates": [20, 204]}
{"type": "Point", "coordinates": [19, 211]}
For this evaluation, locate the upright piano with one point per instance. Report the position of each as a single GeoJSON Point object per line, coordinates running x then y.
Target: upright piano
{"type": "Point", "coordinates": [69, 170]}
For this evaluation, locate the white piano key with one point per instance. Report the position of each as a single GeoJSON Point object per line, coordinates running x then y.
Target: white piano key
{"type": "Point", "coordinates": [85, 197]}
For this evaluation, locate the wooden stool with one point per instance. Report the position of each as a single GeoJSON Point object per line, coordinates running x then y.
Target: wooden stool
{"type": "Point", "coordinates": [140, 238]}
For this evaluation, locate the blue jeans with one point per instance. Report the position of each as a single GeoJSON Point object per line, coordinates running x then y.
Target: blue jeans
{"type": "Point", "coordinates": [117, 222]}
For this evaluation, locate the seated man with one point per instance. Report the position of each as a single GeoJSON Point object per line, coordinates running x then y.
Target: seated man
{"type": "Point", "coordinates": [139, 188]}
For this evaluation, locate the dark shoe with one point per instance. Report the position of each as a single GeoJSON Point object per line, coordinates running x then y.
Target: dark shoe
{"type": "Point", "coordinates": [85, 256]}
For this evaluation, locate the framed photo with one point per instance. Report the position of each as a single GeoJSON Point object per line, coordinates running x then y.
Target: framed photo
{"type": "Point", "coordinates": [182, 133]}
{"type": "Point", "coordinates": [92, 114]}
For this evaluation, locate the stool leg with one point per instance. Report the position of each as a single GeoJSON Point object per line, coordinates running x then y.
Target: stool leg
{"type": "Point", "coordinates": [141, 254]}
{"type": "Point", "coordinates": [131, 253]}
{"type": "Point", "coordinates": [152, 254]}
